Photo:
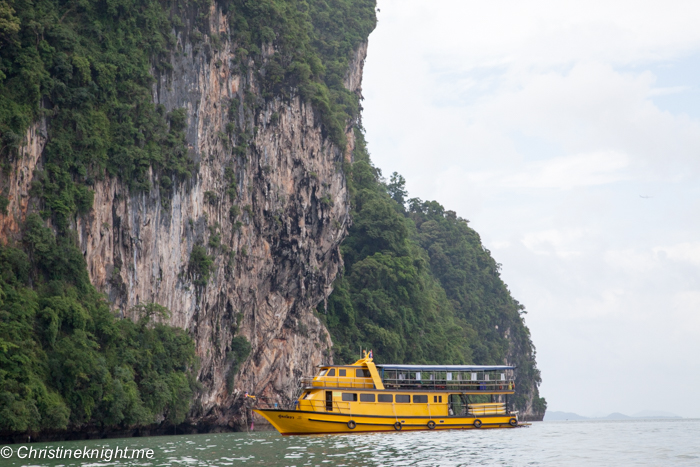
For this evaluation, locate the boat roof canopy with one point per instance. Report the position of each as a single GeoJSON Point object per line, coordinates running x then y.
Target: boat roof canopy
{"type": "Point", "coordinates": [446, 367]}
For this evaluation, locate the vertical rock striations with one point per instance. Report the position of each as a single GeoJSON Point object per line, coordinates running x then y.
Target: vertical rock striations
{"type": "Point", "coordinates": [268, 207]}
{"type": "Point", "coordinates": [272, 229]}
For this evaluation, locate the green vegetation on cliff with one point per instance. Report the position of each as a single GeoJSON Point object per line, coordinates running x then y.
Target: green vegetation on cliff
{"type": "Point", "coordinates": [387, 298]}
{"type": "Point", "coordinates": [419, 287]}
{"type": "Point", "coordinates": [313, 42]}
{"type": "Point", "coordinates": [67, 360]}
{"type": "Point", "coordinates": [85, 67]}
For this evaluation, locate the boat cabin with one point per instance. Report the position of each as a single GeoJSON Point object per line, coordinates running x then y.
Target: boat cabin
{"type": "Point", "coordinates": [340, 376]}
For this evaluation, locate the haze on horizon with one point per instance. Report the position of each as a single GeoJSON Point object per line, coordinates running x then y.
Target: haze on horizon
{"type": "Point", "coordinates": [568, 133]}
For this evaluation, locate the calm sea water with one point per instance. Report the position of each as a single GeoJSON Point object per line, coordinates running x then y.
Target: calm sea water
{"type": "Point", "coordinates": [600, 443]}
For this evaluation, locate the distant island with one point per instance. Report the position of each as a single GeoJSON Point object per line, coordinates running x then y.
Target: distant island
{"type": "Point", "coordinates": [553, 416]}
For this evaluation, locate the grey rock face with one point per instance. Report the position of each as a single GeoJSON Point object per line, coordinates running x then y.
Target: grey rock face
{"type": "Point", "coordinates": [17, 182]}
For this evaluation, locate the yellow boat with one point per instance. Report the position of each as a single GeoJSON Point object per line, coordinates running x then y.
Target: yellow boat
{"type": "Point", "coordinates": [365, 397]}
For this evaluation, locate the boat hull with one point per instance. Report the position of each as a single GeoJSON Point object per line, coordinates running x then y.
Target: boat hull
{"type": "Point", "coordinates": [297, 422]}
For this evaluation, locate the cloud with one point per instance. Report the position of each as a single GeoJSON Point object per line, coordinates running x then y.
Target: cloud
{"type": "Point", "coordinates": [459, 79]}
{"type": "Point", "coordinates": [630, 261]}
{"type": "Point", "coordinates": [684, 252]}
{"type": "Point", "coordinates": [562, 243]}
{"type": "Point", "coordinates": [562, 173]}
{"type": "Point", "coordinates": [593, 107]}
{"type": "Point", "coordinates": [540, 122]}
{"type": "Point", "coordinates": [546, 33]}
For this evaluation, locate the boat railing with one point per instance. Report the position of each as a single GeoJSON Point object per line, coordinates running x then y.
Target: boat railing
{"type": "Point", "coordinates": [337, 382]}
{"type": "Point", "coordinates": [322, 406]}
{"type": "Point", "coordinates": [476, 410]}
{"type": "Point", "coordinates": [428, 385]}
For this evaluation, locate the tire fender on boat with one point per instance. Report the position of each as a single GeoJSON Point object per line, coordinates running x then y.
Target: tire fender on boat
{"type": "Point", "coordinates": [352, 424]}
{"type": "Point", "coordinates": [477, 423]}
{"type": "Point", "coordinates": [513, 422]}
{"type": "Point", "coordinates": [431, 425]}
{"type": "Point", "coordinates": [397, 426]}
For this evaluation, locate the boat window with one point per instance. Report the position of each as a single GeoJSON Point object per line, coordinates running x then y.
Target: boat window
{"type": "Point", "coordinates": [362, 373]}
{"type": "Point", "coordinates": [403, 398]}
{"type": "Point", "coordinates": [366, 397]}
{"type": "Point", "coordinates": [417, 399]}
{"type": "Point", "coordinates": [341, 372]}
{"type": "Point", "coordinates": [385, 398]}
{"type": "Point", "coordinates": [331, 372]}
{"type": "Point", "coordinates": [439, 398]}
{"type": "Point", "coordinates": [436, 399]}
{"type": "Point", "coordinates": [349, 397]}
{"type": "Point", "coordinates": [322, 373]}
{"type": "Point", "coordinates": [306, 396]}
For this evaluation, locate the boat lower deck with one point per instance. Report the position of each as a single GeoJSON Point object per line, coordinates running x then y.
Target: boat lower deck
{"type": "Point", "coordinates": [295, 422]}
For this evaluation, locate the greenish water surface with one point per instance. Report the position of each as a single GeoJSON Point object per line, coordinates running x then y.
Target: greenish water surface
{"type": "Point", "coordinates": [637, 442]}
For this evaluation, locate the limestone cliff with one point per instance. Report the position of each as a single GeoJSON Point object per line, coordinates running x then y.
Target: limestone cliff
{"type": "Point", "coordinates": [247, 246]}
{"type": "Point", "coordinates": [275, 256]}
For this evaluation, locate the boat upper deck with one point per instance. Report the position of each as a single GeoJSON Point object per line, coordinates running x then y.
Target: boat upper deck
{"type": "Point", "coordinates": [447, 377]}
{"type": "Point", "coordinates": [463, 378]}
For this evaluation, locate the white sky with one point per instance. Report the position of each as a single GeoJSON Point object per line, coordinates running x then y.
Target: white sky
{"type": "Point", "coordinates": [544, 123]}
